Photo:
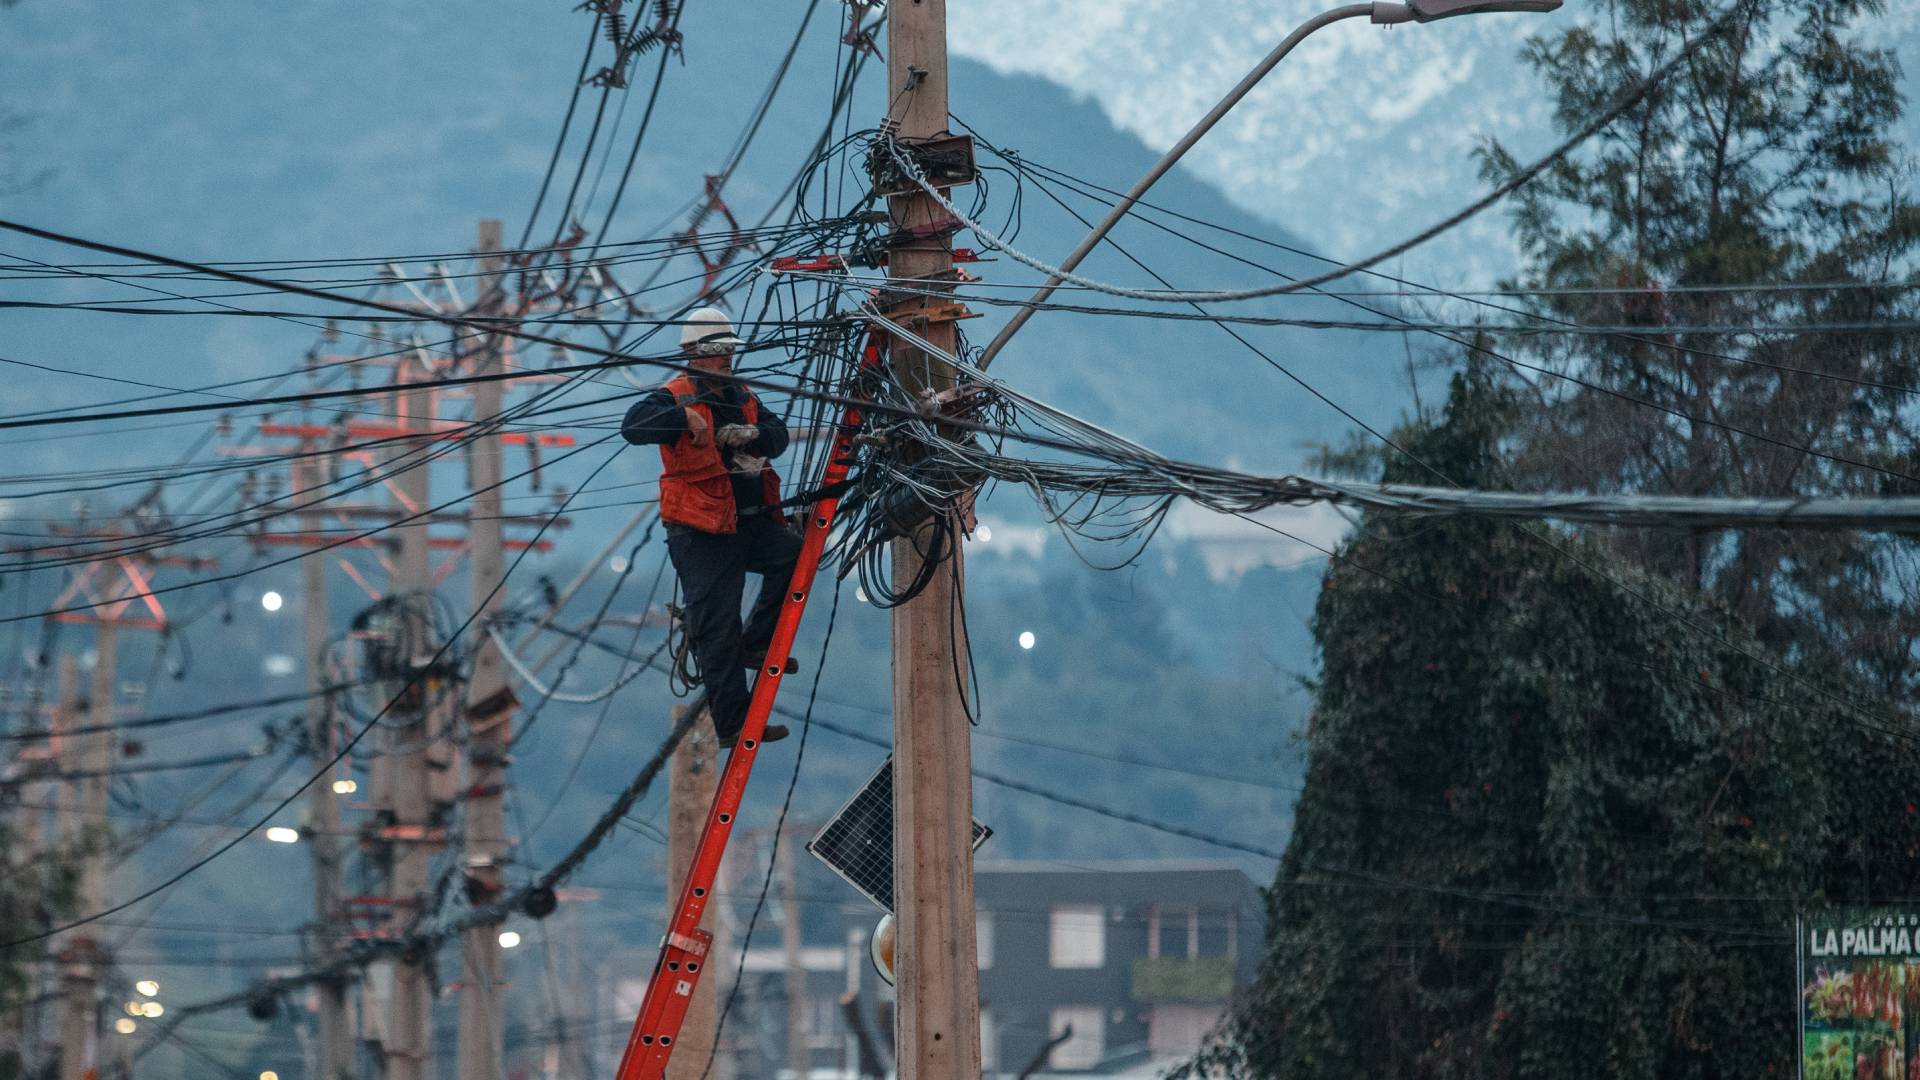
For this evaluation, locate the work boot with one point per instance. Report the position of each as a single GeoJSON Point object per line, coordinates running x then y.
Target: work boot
{"type": "Point", "coordinates": [773, 733]}
{"type": "Point", "coordinates": [758, 662]}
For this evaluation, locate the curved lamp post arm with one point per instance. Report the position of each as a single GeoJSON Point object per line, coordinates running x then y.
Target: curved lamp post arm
{"type": "Point", "coordinates": [1380, 12]}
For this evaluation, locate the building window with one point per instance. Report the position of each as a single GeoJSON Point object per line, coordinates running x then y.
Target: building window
{"type": "Point", "coordinates": [1088, 1043]}
{"type": "Point", "coordinates": [983, 938]}
{"type": "Point", "coordinates": [1184, 932]}
{"type": "Point", "coordinates": [1077, 936]}
{"type": "Point", "coordinates": [1170, 932]}
{"type": "Point", "coordinates": [989, 1043]}
{"type": "Point", "coordinates": [822, 1020]}
{"type": "Point", "coordinates": [1214, 933]}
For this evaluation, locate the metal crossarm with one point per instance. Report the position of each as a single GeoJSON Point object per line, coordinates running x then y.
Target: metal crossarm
{"type": "Point", "coordinates": [683, 951]}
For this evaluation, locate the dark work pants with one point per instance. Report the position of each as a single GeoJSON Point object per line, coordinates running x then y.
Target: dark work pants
{"type": "Point", "coordinates": [713, 569]}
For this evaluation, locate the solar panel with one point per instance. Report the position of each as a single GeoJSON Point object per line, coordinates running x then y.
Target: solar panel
{"type": "Point", "coordinates": [857, 842]}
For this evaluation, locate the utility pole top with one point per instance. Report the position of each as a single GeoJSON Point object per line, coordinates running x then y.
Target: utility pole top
{"type": "Point", "coordinates": [937, 1029]}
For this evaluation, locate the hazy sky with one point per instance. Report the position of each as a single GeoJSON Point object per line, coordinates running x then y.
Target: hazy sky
{"type": "Point", "coordinates": [1371, 127]}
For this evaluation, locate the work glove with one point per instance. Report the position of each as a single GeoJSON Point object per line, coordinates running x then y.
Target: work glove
{"type": "Point", "coordinates": [737, 435]}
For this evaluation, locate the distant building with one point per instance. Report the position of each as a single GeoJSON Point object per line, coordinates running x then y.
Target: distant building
{"type": "Point", "coordinates": [1141, 958]}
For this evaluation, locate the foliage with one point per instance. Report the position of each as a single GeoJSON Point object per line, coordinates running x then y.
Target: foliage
{"type": "Point", "coordinates": [35, 890]}
{"type": "Point", "coordinates": [1558, 814]}
{"type": "Point", "coordinates": [1206, 980]}
{"type": "Point", "coordinates": [1759, 186]}
{"type": "Point", "coordinates": [1565, 793]}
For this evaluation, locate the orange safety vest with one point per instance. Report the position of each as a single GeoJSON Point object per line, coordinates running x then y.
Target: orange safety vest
{"type": "Point", "coordinates": [696, 488]}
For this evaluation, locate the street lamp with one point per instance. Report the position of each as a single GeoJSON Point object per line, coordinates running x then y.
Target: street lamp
{"type": "Point", "coordinates": [1380, 12]}
{"type": "Point", "coordinates": [1429, 10]}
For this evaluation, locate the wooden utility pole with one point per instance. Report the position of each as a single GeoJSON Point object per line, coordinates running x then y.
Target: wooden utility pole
{"type": "Point", "coordinates": [407, 1042]}
{"type": "Point", "coordinates": [40, 849]}
{"type": "Point", "coordinates": [110, 591]}
{"type": "Point", "coordinates": [938, 1025]}
{"type": "Point", "coordinates": [81, 958]}
{"type": "Point", "coordinates": [489, 711]}
{"type": "Point", "coordinates": [798, 1053]}
{"type": "Point", "coordinates": [692, 779]}
{"type": "Point", "coordinates": [333, 1052]}
{"type": "Point", "coordinates": [77, 1006]}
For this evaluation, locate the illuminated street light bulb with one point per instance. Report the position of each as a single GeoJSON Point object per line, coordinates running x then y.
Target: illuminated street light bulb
{"type": "Point", "coordinates": [1026, 639]}
{"type": "Point", "coordinates": [345, 787]}
{"type": "Point", "coordinates": [133, 1009]}
{"type": "Point", "coordinates": [280, 834]}
{"type": "Point", "coordinates": [269, 1074]}
{"type": "Point", "coordinates": [881, 946]}
{"type": "Point", "coordinates": [271, 600]}
{"type": "Point", "coordinates": [508, 939]}
{"type": "Point", "coordinates": [152, 1010]}
{"type": "Point", "coordinates": [125, 1026]}
{"type": "Point", "coordinates": [147, 987]}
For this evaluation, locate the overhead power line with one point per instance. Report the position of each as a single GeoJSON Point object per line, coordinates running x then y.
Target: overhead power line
{"type": "Point", "coordinates": [164, 719]}
{"type": "Point", "coordinates": [612, 358]}
{"type": "Point", "coordinates": [1636, 336]}
{"type": "Point", "coordinates": [1549, 903]}
{"type": "Point", "coordinates": [1394, 326]}
{"type": "Point", "coordinates": [364, 391]}
{"type": "Point", "coordinates": [346, 748]}
{"type": "Point", "coordinates": [364, 952]}
{"type": "Point", "coordinates": [135, 768]}
{"type": "Point", "coordinates": [1891, 514]}
{"type": "Point", "coordinates": [1520, 177]}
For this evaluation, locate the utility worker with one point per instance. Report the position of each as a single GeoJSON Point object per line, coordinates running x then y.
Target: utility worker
{"type": "Point", "coordinates": [719, 499]}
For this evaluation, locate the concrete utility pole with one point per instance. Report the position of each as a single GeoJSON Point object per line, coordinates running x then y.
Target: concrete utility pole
{"type": "Point", "coordinates": [693, 777]}
{"type": "Point", "coordinates": [938, 1028]}
{"type": "Point", "coordinates": [333, 1050]}
{"type": "Point", "coordinates": [489, 712]}
{"type": "Point", "coordinates": [798, 1053]}
{"type": "Point", "coordinates": [407, 1043]}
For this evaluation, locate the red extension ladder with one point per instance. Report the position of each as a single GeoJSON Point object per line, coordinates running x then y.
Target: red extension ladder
{"type": "Point", "coordinates": [683, 952]}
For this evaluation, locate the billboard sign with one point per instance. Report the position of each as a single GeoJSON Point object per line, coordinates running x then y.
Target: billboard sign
{"type": "Point", "coordinates": [1860, 995]}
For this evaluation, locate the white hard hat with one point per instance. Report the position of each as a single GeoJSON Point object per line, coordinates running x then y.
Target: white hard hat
{"type": "Point", "coordinates": [710, 329]}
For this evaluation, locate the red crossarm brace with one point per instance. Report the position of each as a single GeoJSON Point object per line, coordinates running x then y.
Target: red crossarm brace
{"type": "Point", "coordinates": [683, 952]}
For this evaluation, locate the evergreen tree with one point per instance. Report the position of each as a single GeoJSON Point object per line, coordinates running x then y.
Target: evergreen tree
{"type": "Point", "coordinates": [1757, 187]}
{"type": "Point", "coordinates": [1565, 793]}
{"type": "Point", "coordinates": [1558, 814]}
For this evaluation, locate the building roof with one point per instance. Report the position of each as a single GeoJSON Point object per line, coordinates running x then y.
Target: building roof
{"type": "Point", "coordinates": [1119, 882]}
{"type": "Point", "coordinates": [1104, 866]}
